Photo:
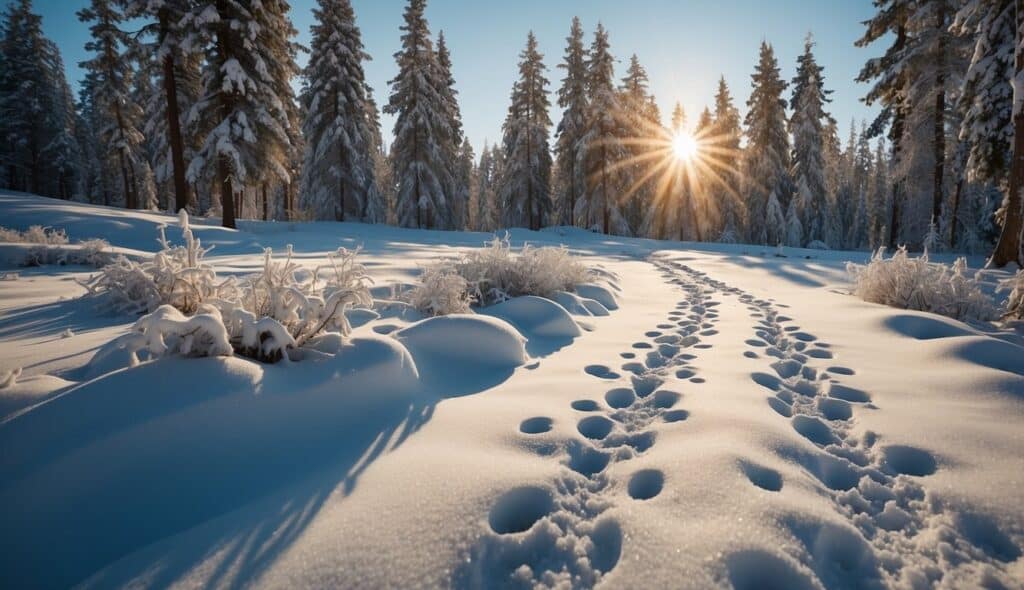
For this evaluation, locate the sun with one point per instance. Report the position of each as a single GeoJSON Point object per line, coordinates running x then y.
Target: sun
{"type": "Point", "coordinates": [684, 146]}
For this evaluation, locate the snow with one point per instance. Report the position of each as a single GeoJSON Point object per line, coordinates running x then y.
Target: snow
{"type": "Point", "coordinates": [701, 415]}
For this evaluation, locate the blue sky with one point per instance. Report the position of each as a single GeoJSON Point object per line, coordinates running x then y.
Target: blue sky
{"type": "Point", "coordinates": [685, 45]}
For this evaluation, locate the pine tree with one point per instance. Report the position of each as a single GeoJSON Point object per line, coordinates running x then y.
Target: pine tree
{"type": "Point", "coordinates": [601, 149]}
{"type": "Point", "coordinates": [723, 146]}
{"type": "Point", "coordinates": [572, 98]}
{"type": "Point", "coordinates": [454, 139]}
{"type": "Point", "coordinates": [767, 162]}
{"type": "Point", "coordinates": [794, 227]}
{"type": "Point", "coordinates": [809, 164]}
{"type": "Point", "coordinates": [466, 181]}
{"type": "Point", "coordinates": [488, 171]}
{"type": "Point", "coordinates": [889, 89]}
{"type": "Point", "coordinates": [420, 152]}
{"type": "Point", "coordinates": [699, 188]}
{"type": "Point", "coordinates": [775, 221]}
{"type": "Point", "coordinates": [525, 186]}
{"type": "Point", "coordinates": [119, 118]}
{"type": "Point", "coordinates": [641, 123]}
{"type": "Point", "coordinates": [247, 111]}
{"type": "Point", "coordinates": [879, 193]}
{"type": "Point", "coordinates": [180, 90]}
{"type": "Point", "coordinates": [38, 152]}
{"type": "Point", "coordinates": [339, 176]}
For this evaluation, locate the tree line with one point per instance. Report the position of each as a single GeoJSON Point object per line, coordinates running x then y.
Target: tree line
{"type": "Point", "coordinates": [190, 104]}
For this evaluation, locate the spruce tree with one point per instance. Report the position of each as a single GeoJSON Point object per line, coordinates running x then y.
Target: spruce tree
{"type": "Point", "coordinates": [723, 147]}
{"type": "Point", "coordinates": [601, 148]}
{"type": "Point", "coordinates": [641, 128]}
{"type": "Point", "coordinates": [808, 169]}
{"type": "Point", "coordinates": [525, 186]}
{"type": "Point", "coordinates": [339, 177]}
{"type": "Point", "coordinates": [420, 153]}
{"type": "Point", "coordinates": [118, 116]}
{"type": "Point", "coordinates": [247, 111]}
{"type": "Point", "coordinates": [453, 141]}
{"type": "Point", "coordinates": [572, 98]}
{"type": "Point", "coordinates": [767, 161]}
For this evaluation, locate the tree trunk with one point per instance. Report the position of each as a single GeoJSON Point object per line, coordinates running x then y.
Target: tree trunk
{"type": "Point", "coordinates": [266, 204]}
{"type": "Point", "coordinates": [939, 129]}
{"type": "Point", "coordinates": [174, 134]}
{"type": "Point", "coordinates": [954, 212]}
{"type": "Point", "coordinates": [128, 200]}
{"type": "Point", "coordinates": [1008, 247]}
{"type": "Point", "coordinates": [227, 196]}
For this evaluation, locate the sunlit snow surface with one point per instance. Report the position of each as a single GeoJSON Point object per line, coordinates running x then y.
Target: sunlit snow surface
{"type": "Point", "coordinates": [702, 416]}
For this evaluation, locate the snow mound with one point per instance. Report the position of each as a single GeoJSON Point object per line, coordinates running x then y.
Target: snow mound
{"type": "Point", "coordinates": [460, 354]}
{"type": "Point", "coordinates": [599, 294]}
{"type": "Point", "coordinates": [28, 391]}
{"type": "Point", "coordinates": [546, 325]}
{"type": "Point", "coordinates": [578, 305]}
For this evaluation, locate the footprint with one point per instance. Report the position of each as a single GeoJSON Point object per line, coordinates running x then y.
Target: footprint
{"type": "Point", "coordinates": [607, 545]}
{"type": "Point", "coordinates": [538, 425]}
{"type": "Point", "coordinates": [848, 394]}
{"type": "Point", "coordinates": [908, 460]}
{"type": "Point", "coordinates": [819, 353]}
{"type": "Point", "coordinates": [642, 345]}
{"type": "Point", "coordinates": [834, 409]}
{"type": "Point", "coordinates": [814, 430]}
{"type": "Point", "coordinates": [586, 460]}
{"type": "Point", "coordinates": [762, 477]}
{"type": "Point", "coordinates": [757, 569]}
{"type": "Point", "coordinates": [757, 343]}
{"type": "Point", "coordinates": [787, 368]}
{"type": "Point", "coordinates": [585, 405]}
{"type": "Point", "coordinates": [781, 407]}
{"type": "Point", "coordinates": [675, 416]}
{"type": "Point", "coordinates": [698, 380]}
{"type": "Point", "coordinates": [652, 334]}
{"type": "Point", "coordinates": [709, 332]}
{"type": "Point", "coordinates": [684, 374]}
{"type": "Point", "coordinates": [804, 336]}
{"type": "Point", "coordinates": [634, 368]}
{"type": "Point", "coordinates": [519, 509]}
{"type": "Point", "coordinates": [664, 399]}
{"type": "Point", "coordinates": [628, 355]}
{"type": "Point", "coordinates": [601, 372]}
{"type": "Point", "coordinates": [646, 484]}
{"type": "Point", "coordinates": [840, 371]}
{"type": "Point", "coordinates": [750, 354]}
{"type": "Point", "coordinates": [620, 397]}
{"type": "Point", "coordinates": [595, 427]}
{"type": "Point", "coordinates": [385, 328]}
{"type": "Point", "coordinates": [646, 384]}
{"type": "Point", "coordinates": [767, 381]}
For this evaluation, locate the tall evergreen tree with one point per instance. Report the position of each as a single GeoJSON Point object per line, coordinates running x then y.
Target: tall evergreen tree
{"type": "Point", "coordinates": [808, 168]}
{"type": "Point", "coordinates": [118, 116]}
{"type": "Point", "coordinates": [572, 98]}
{"type": "Point", "coordinates": [525, 186]}
{"type": "Point", "coordinates": [724, 157]}
{"type": "Point", "coordinates": [247, 110]}
{"type": "Point", "coordinates": [339, 177]}
{"type": "Point", "coordinates": [767, 161]}
{"type": "Point", "coordinates": [641, 127]}
{"type": "Point", "coordinates": [601, 147]}
{"type": "Point", "coordinates": [421, 152]}
{"type": "Point", "coordinates": [466, 181]}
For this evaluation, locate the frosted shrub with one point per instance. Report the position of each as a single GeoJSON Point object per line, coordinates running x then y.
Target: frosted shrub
{"type": "Point", "coordinates": [915, 283]}
{"type": "Point", "coordinates": [176, 276]}
{"type": "Point", "coordinates": [261, 316]}
{"type": "Point", "coordinates": [494, 274]}
{"type": "Point", "coordinates": [35, 234]}
{"type": "Point", "coordinates": [442, 291]}
{"type": "Point", "coordinates": [1015, 303]}
{"type": "Point", "coordinates": [94, 252]}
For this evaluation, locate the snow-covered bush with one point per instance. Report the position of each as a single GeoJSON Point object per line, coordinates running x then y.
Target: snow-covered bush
{"type": "Point", "coordinates": [494, 274]}
{"type": "Point", "coordinates": [1015, 303]}
{"type": "Point", "coordinates": [442, 291]}
{"type": "Point", "coordinates": [95, 252]}
{"type": "Point", "coordinates": [261, 316]}
{"type": "Point", "coordinates": [35, 234]}
{"type": "Point", "coordinates": [176, 276]}
{"type": "Point", "coordinates": [915, 283]}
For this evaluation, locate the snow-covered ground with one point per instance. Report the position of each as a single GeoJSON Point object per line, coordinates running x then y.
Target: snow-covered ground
{"type": "Point", "coordinates": [706, 415]}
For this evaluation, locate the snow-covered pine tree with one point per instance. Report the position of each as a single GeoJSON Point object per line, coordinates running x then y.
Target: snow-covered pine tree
{"type": "Point", "coordinates": [338, 177]}
{"type": "Point", "coordinates": [878, 196]}
{"type": "Point", "coordinates": [524, 189]}
{"type": "Point", "coordinates": [601, 149]}
{"type": "Point", "coordinates": [699, 188]}
{"type": "Point", "coordinates": [453, 142]}
{"type": "Point", "coordinates": [774, 221]}
{"type": "Point", "coordinates": [420, 154]}
{"type": "Point", "coordinates": [767, 162]}
{"type": "Point", "coordinates": [572, 98]}
{"type": "Point", "coordinates": [179, 77]}
{"type": "Point", "coordinates": [38, 152]}
{"type": "Point", "coordinates": [247, 110]}
{"type": "Point", "coordinates": [118, 117]}
{"type": "Point", "coordinates": [725, 157]}
{"type": "Point", "coordinates": [466, 181]}
{"type": "Point", "coordinates": [794, 227]}
{"type": "Point", "coordinates": [641, 123]}
{"type": "Point", "coordinates": [889, 90]}
{"type": "Point", "coordinates": [488, 171]}
{"type": "Point", "coordinates": [809, 165]}
{"type": "Point", "coordinates": [987, 101]}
